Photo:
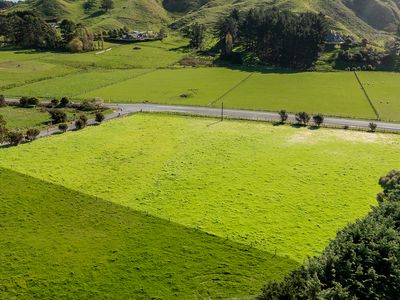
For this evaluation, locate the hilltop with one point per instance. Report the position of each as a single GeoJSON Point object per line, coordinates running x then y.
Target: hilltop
{"type": "Point", "coordinates": [373, 19]}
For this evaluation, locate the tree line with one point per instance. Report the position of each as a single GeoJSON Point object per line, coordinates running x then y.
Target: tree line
{"type": "Point", "coordinates": [274, 36]}
{"type": "Point", "coordinates": [58, 115]}
{"type": "Point", "coordinates": [27, 30]}
{"type": "Point", "coordinates": [363, 262]}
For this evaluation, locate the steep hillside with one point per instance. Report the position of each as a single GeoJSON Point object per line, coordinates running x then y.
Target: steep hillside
{"type": "Point", "coordinates": [139, 14]}
{"type": "Point", "coordinates": [363, 18]}
{"type": "Point", "coordinates": [373, 19]}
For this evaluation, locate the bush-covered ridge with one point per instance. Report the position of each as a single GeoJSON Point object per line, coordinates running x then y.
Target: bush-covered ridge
{"type": "Point", "coordinates": [363, 18]}
{"type": "Point", "coordinates": [363, 262]}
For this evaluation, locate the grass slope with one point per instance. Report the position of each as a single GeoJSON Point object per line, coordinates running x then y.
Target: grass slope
{"type": "Point", "coordinates": [58, 243]}
{"type": "Point", "coordinates": [361, 18]}
{"type": "Point", "coordinates": [279, 189]}
{"type": "Point", "coordinates": [138, 14]}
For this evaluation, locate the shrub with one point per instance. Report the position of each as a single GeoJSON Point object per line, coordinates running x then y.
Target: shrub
{"type": "Point", "coordinates": [58, 116]}
{"type": "Point", "coordinates": [3, 129]}
{"type": "Point", "coordinates": [54, 102]}
{"type": "Point", "coordinates": [32, 134]}
{"type": "Point", "coordinates": [303, 118]}
{"type": "Point", "coordinates": [23, 101]}
{"type": "Point", "coordinates": [84, 119]}
{"type": "Point", "coordinates": [79, 124]}
{"type": "Point", "coordinates": [75, 45]}
{"type": "Point", "coordinates": [63, 127]}
{"type": "Point", "coordinates": [14, 138]}
{"type": "Point", "coordinates": [318, 119]}
{"type": "Point", "coordinates": [2, 101]}
{"type": "Point", "coordinates": [283, 116]}
{"type": "Point", "coordinates": [33, 101]}
{"type": "Point", "coordinates": [88, 106]}
{"type": "Point", "coordinates": [372, 127]}
{"type": "Point", "coordinates": [99, 117]}
{"type": "Point", "coordinates": [64, 102]}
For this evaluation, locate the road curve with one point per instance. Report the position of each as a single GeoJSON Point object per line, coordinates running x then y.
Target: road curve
{"type": "Point", "coordinates": [124, 109]}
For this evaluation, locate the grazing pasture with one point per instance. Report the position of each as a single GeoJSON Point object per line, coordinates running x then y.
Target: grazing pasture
{"type": "Point", "coordinates": [17, 73]}
{"type": "Point", "coordinates": [190, 86]}
{"type": "Point", "coordinates": [155, 55]}
{"type": "Point", "coordinates": [21, 118]}
{"type": "Point", "coordinates": [114, 76]}
{"type": "Point", "coordinates": [337, 94]}
{"type": "Point", "coordinates": [384, 91]}
{"type": "Point", "coordinates": [282, 190]}
{"type": "Point", "coordinates": [59, 243]}
{"type": "Point", "coordinates": [75, 84]}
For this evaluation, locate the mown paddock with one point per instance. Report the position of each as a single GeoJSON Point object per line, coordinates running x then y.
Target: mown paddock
{"type": "Point", "coordinates": [278, 189]}
{"type": "Point", "coordinates": [148, 55]}
{"type": "Point", "coordinates": [384, 91]}
{"type": "Point", "coordinates": [75, 84]}
{"type": "Point", "coordinates": [189, 86]}
{"type": "Point", "coordinates": [17, 73]}
{"type": "Point", "coordinates": [337, 94]}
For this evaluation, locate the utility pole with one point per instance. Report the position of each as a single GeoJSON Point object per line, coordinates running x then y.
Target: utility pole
{"type": "Point", "coordinates": [222, 112]}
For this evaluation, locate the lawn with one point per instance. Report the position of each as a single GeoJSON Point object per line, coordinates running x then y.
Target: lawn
{"type": "Point", "coordinates": [336, 94]}
{"type": "Point", "coordinates": [384, 90]}
{"type": "Point", "coordinates": [282, 190]}
{"type": "Point", "coordinates": [188, 86]}
{"type": "Point", "coordinates": [74, 84]}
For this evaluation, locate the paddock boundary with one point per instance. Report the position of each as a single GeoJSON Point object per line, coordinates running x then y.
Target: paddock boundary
{"type": "Point", "coordinates": [231, 89]}
{"type": "Point", "coordinates": [367, 96]}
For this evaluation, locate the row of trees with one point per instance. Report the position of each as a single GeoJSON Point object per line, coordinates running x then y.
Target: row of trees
{"type": "Point", "coordinates": [363, 262]}
{"type": "Point", "coordinates": [27, 30]}
{"type": "Point", "coordinates": [16, 137]}
{"type": "Point", "coordinates": [273, 36]}
{"type": "Point", "coordinates": [302, 118]}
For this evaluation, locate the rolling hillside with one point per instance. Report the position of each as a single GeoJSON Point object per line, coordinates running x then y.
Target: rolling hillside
{"type": "Point", "coordinates": [364, 18]}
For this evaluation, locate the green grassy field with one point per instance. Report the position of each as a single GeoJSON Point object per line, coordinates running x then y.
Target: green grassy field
{"type": "Point", "coordinates": [17, 73]}
{"type": "Point", "coordinates": [384, 90]}
{"type": "Point", "coordinates": [149, 55]}
{"type": "Point", "coordinates": [59, 243]}
{"type": "Point", "coordinates": [75, 84]}
{"type": "Point", "coordinates": [178, 207]}
{"type": "Point", "coordinates": [22, 118]}
{"type": "Point", "coordinates": [229, 179]}
{"type": "Point", "coordinates": [114, 76]}
{"type": "Point", "coordinates": [330, 93]}
{"type": "Point", "coordinates": [180, 86]}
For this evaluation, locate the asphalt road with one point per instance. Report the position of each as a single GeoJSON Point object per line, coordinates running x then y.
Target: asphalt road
{"type": "Point", "coordinates": [125, 109]}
